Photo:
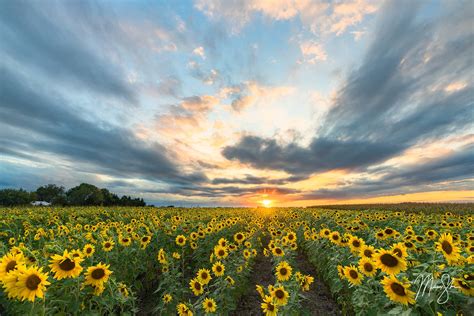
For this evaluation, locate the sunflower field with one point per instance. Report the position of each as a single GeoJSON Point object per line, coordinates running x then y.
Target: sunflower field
{"type": "Point", "coordinates": [202, 261]}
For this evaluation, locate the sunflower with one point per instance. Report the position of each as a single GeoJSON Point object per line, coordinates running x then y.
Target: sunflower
{"type": "Point", "coordinates": [230, 280]}
{"type": "Point", "coordinates": [335, 237]}
{"type": "Point", "coordinates": [218, 268]}
{"type": "Point", "coordinates": [277, 251]}
{"type": "Point", "coordinates": [448, 248]}
{"type": "Point", "coordinates": [88, 250]}
{"type": "Point", "coordinates": [97, 275]}
{"type": "Point", "coordinates": [367, 251]}
{"type": "Point", "coordinates": [340, 271]}
{"type": "Point", "coordinates": [367, 267]}
{"type": "Point", "coordinates": [463, 286]}
{"type": "Point", "coordinates": [167, 298]}
{"type": "Point", "coordinates": [283, 271]}
{"type": "Point", "coordinates": [280, 296]}
{"type": "Point", "coordinates": [389, 262]}
{"type": "Point", "coordinates": [10, 262]}
{"type": "Point", "coordinates": [353, 275]}
{"type": "Point", "coordinates": [209, 305]}
{"type": "Point", "coordinates": [183, 310]}
{"type": "Point", "coordinates": [268, 307]}
{"type": "Point", "coordinates": [31, 283]}
{"type": "Point", "coordinates": [400, 250]}
{"type": "Point", "coordinates": [9, 282]}
{"type": "Point", "coordinates": [397, 291]}
{"type": "Point", "coordinates": [65, 266]}
{"type": "Point", "coordinates": [355, 243]}
{"type": "Point", "coordinates": [108, 245]}
{"type": "Point", "coordinates": [239, 237]}
{"type": "Point", "coordinates": [260, 291]}
{"type": "Point", "coordinates": [305, 282]}
{"type": "Point", "coordinates": [204, 276]}
{"type": "Point", "coordinates": [125, 241]}
{"type": "Point", "coordinates": [220, 252]}
{"type": "Point", "coordinates": [180, 240]}
{"type": "Point", "coordinates": [196, 287]}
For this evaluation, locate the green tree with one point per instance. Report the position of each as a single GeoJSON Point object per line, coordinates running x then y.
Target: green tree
{"type": "Point", "coordinates": [85, 194]}
{"type": "Point", "coordinates": [51, 193]}
{"type": "Point", "coordinates": [12, 197]}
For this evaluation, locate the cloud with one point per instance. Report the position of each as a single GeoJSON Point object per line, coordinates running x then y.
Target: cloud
{"type": "Point", "coordinates": [431, 175]}
{"type": "Point", "coordinates": [249, 179]}
{"type": "Point", "coordinates": [62, 131]}
{"type": "Point", "coordinates": [320, 17]}
{"type": "Point", "coordinates": [32, 38]}
{"type": "Point", "coordinates": [199, 51]}
{"type": "Point", "coordinates": [386, 105]}
{"type": "Point", "coordinates": [313, 52]}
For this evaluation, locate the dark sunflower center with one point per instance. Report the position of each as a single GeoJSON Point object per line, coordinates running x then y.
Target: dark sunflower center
{"type": "Point", "coordinates": [98, 274]}
{"type": "Point", "coordinates": [389, 260]}
{"type": "Point", "coordinates": [107, 245]}
{"type": "Point", "coordinates": [368, 253]}
{"type": "Point", "coordinates": [335, 237]}
{"type": "Point", "coordinates": [388, 231]}
{"type": "Point", "coordinates": [353, 274]}
{"type": "Point", "coordinates": [145, 239]}
{"type": "Point", "coordinates": [283, 271]}
{"type": "Point", "coordinates": [279, 294]}
{"type": "Point", "coordinates": [209, 304]}
{"type": "Point", "coordinates": [204, 275]}
{"type": "Point", "coordinates": [67, 265]}
{"type": "Point", "coordinates": [239, 236]}
{"type": "Point", "coordinates": [278, 250]}
{"type": "Point", "coordinates": [368, 267]}
{"type": "Point", "coordinates": [447, 247]}
{"type": "Point", "coordinates": [197, 286]}
{"type": "Point", "coordinates": [89, 250]}
{"type": "Point", "coordinates": [398, 289]}
{"type": "Point", "coordinates": [221, 252]}
{"type": "Point", "coordinates": [10, 266]}
{"type": "Point", "coordinates": [270, 307]}
{"type": "Point", "coordinates": [180, 240]}
{"type": "Point", "coordinates": [32, 282]}
{"type": "Point", "coordinates": [356, 243]}
{"type": "Point", "coordinates": [464, 285]}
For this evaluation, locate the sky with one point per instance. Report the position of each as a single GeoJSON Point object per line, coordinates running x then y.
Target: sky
{"type": "Point", "coordinates": [229, 103]}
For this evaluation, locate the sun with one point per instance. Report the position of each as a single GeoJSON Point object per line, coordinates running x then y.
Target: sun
{"type": "Point", "coordinates": [266, 203]}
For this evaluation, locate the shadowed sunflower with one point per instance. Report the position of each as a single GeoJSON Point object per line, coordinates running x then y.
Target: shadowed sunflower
{"type": "Point", "coordinates": [464, 284]}
{"type": "Point", "coordinates": [397, 291]}
{"type": "Point", "coordinates": [65, 266]}
{"type": "Point", "coordinates": [389, 262]}
{"type": "Point", "coordinates": [31, 283]}
{"type": "Point", "coordinates": [97, 275]}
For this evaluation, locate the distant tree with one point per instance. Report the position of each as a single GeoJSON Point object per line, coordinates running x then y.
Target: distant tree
{"type": "Point", "coordinates": [51, 193]}
{"type": "Point", "coordinates": [110, 198]}
{"type": "Point", "coordinates": [12, 197]}
{"type": "Point", "coordinates": [85, 194]}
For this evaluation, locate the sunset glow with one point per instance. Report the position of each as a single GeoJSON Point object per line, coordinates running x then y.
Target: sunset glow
{"type": "Point", "coordinates": [266, 203]}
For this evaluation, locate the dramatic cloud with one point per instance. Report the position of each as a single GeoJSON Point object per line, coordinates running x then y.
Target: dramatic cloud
{"type": "Point", "coordinates": [32, 38]}
{"type": "Point", "coordinates": [64, 132]}
{"type": "Point", "coordinates": [386, 105]}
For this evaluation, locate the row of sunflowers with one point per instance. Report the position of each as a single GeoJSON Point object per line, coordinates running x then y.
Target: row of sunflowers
{"type": "Point", "coordinates": [167, 261]}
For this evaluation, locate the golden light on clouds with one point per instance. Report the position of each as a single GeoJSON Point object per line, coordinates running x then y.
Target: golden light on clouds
{"type": "Point", "coordinates": [266, 203]}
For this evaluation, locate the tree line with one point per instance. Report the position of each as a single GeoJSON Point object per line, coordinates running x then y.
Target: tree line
{"type": "Point", "coordinates": [82, 195]}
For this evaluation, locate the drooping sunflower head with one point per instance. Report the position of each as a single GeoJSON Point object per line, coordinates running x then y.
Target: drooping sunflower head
{"type": "Point", "coordinates": [268, 306]}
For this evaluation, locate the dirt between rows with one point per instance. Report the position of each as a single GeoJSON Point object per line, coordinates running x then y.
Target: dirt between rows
{"type": "Point", "coordinates": [318, 299]}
